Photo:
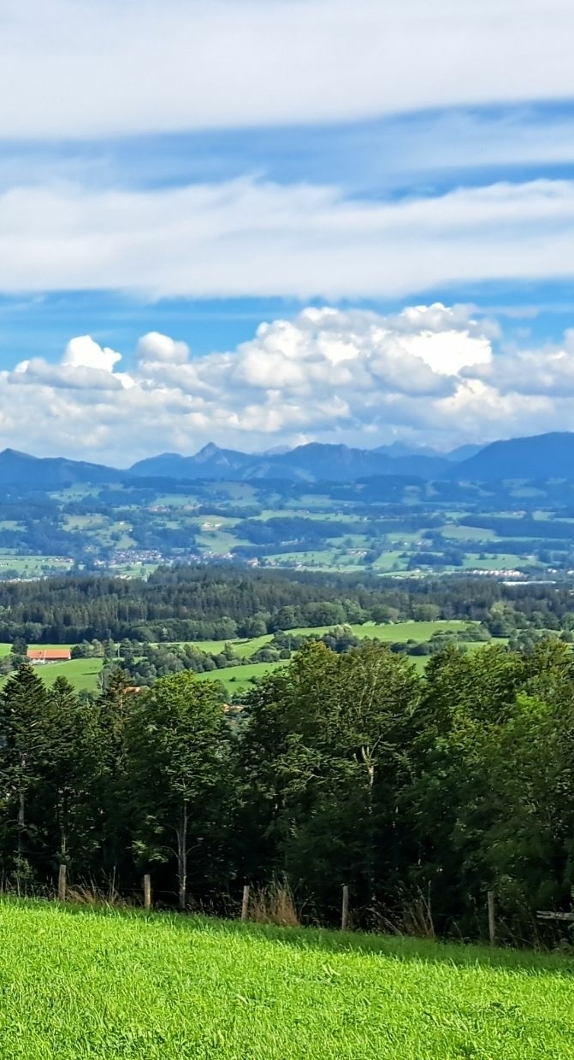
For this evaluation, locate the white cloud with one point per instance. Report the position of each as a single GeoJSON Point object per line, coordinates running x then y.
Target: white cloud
{"type": "Point", "coordinates": [155, 347]}
{"type": "Point", "coordinates": [83, 352]}
{"type": "Point", "coordinates": [462, 139]}
{"type": "Point", "coordinates": [37, 371]}
{"type": "Point", "coordinates": [249, 238]}
{"type": "Point", "coordinates": [545, 371]}
{"type": "Point", "coordinates": [429, 374]}
{"type": "Point", "coordinates": [84, 366]}
{"type": "Point", "coordinates": [81, 68]}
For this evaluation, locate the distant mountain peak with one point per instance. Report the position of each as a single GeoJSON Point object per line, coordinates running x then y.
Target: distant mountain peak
{"type": "Point", "coordinates": [16, 454]}
{"type": "Point", "coordinates": [209, 450]}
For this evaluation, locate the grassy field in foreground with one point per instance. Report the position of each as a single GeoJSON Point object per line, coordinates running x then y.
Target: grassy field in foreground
{"type": "Point", "coordinates": [84, 985]}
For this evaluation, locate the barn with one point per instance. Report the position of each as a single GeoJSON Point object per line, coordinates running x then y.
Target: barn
{"type": "Point", "coordinates": [48, 655]}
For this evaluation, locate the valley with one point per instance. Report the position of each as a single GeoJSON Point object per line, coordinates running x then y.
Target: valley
{"type": "Point", "coordinates": [318, 508]}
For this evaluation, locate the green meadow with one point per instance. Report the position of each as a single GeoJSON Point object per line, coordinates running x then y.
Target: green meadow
{"type": "Point", "coordinates": [239, 678]}
{"type": "Point", "coordinates": [83, 674]}
{"type": "Point", "coordinates": [79, 984]}
{"type": "Point", "coordinates": [388, 632]}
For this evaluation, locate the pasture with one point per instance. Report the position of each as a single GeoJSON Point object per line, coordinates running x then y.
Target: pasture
{"type": "Point", "coordinates": [388, 632]}
{"type": "Point", "coordinates": [83, 674]}
{"type": "Point", "coordinates": [239, 678]}
{"type": "Point", "coordinates": [102, 985]}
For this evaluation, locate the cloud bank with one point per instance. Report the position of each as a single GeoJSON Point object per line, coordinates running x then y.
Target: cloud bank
{"type": "Point", "coordinates": [89, 68]}
{"type": "Point", "coordinates": [252, 238]}
{"type": "Point", "coordinates": [430, 374]}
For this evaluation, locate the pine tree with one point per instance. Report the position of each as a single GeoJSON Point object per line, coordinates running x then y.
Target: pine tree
{"type": "Point", "coordinates": [23, 750]}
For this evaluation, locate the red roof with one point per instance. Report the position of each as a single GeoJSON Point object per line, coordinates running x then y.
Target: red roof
{"type": "Point", "coordinates": [49, 654]}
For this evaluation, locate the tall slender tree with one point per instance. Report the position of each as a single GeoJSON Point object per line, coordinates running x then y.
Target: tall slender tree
{"type": "Point", "coordinates": [177, 740]}
{"type": "Point", "coordinates": [23, 751]}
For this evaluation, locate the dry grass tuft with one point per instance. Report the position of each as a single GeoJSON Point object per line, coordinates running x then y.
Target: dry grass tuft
{"type": "Point", "coordinates": [275, 905]}
{"type": "Point", "coordinates": [413, 918]}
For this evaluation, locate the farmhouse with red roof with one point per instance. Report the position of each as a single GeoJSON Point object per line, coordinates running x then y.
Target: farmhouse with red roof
{"type": "Point", "coordinates": [48, 655]}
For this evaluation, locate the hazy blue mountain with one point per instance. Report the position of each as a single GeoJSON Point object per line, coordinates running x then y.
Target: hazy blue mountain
{"type": "Point", "coordinates": [544, 456]}
{"type": "Point", "coordinates": [463, 452]}
{"type": "Point", "coordinates": [306, 463]}
{"type": "Point", "coordinates": [321, 461]}
{"type": "Point", "coordinates": [401, 449]}
{"type": "Point", "coordinates": [317, 461]}
{"type": "Point", "coordinates": [21, 471]}
{"type": "Point", "coordinates": [397, 449]}
{"type": "Point", "coordinates": [211, 462]}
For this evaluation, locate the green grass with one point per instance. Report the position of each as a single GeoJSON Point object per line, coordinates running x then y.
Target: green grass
{"type": "Point", "coordinates": [32, 566]}
{"type": "Point", "coordinates": [6, 648]}
{"type": "Point", "coordinates": [81, 673]}
{"type": "Point", "coordinates": [83, 985]}
{"type": "Point", "coordinates": [243, 648]}
{"type": "Point", "coordinates": [468, 533]}
{"type": "Point", "coordinates": [388, 632]}
{"type": "Point", "coordinates": [238, 678]}
{"type": "Point", "coordinates": [390, 560]}
{"type": "Point", "coordinates": [395, 631]}
{"type": "Point", "coordinates": [506, 561]}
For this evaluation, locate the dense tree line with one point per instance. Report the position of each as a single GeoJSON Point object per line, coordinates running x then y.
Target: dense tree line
{"type": "Point", "coordinates": [199, 602]}
{"type": "Point", "coordinates": [342, 768]}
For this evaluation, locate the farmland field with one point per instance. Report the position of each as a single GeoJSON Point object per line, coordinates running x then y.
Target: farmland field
{"type": "Point", "coordinates": [81, 673]}
{"type": "Point", "coordinates": [238, 678]}
{"type": "Point", "coordinates": [94, 985]}
{"type": "Point", "coordinates": [387, 631]}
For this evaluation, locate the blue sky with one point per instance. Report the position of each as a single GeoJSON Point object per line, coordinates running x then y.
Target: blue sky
{"type": "Point", "coordinates": [193, 171]}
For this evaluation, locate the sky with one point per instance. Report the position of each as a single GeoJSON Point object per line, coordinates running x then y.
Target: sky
{"type": "Point", "coordinates": [268, 222]}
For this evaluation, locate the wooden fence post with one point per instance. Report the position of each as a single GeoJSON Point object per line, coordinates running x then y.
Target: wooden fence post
{"type": "Point", "coordinates": [245, 902]}
{"type": "Point", "coordinates": [62, 883]}
{"type": "Point", "coordinates": [345, 909]}
{"type": "Point", "coordinates": [147, 891]}
{"type": "Point", "coordinates": [491, 918]}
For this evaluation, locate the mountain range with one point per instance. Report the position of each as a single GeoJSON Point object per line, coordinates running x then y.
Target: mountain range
{"type": "Point", "coordinates": [546, 456]}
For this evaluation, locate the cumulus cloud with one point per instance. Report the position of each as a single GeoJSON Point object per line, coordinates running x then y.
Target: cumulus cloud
{"type": "Point", "coordinates": [431, 374]}
{"type": "Point", "coordinates": [545, 371]}
{"type": "Point", "coordinates": [101, 67]}
{"type": "Point", "coordinates": [253, 238]}
{"type": "Point", "coordinates": [84, 366]}
{"type": "Point", "coordinates": [83, 352]}
{"type": "Point", "coordinates": [155, 347]}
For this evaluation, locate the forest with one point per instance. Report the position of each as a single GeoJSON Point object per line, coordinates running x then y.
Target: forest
{"type": "Point", "coordinates": [195, 602]}
{"type": "Point", "coordinates": [417, 791]}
